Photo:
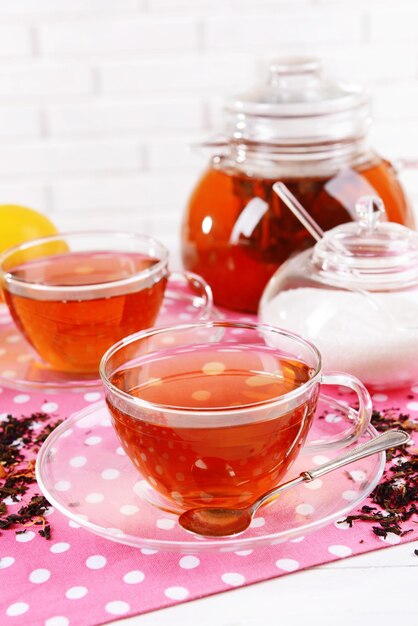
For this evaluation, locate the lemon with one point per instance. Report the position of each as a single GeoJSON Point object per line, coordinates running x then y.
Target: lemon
{"type": "Point", "coordinates": [19, 224]}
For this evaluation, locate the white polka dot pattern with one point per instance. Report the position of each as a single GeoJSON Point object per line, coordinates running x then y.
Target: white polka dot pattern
{"type": "Point", "coordinates": [28, 535]}
{"type": "Point", "coordinates": [39, 575]}
{"type": "Point", "coordinates": [21, 398]}
{"type": "Point", "coordinates": [49, 407]}
{"type": "Point", "coordinates": [234, 579]}
{"type": "Point", "coordinates": [18, 608]}
{"type": "Point", "coordinates": [78, 461]}
{"type": "Point", "coordinates": [166, 524]}
{"type": "Point", "coordinates": [63, 485]}
{"type": "Point", "coordinates": [57, 548]}
{"type": "Point", "coordinates": [379, 397]}
{"type": "Point", "coordinates": [117, 607]}
{"type": "Point", "coordinates": [75, 593]}
{"type": "Point", "coordinates": [94, 498]}
{"type": "Point", "coordinates": [57, 620]}
{"type": "Point", "coordinates": [189, 562]}
{"type": "Point", "coordinates": [287, 565]}
{"type": "Point", "coordinates": [304, 509]}
{"type": "Point", "coordinates": [96, 561]}
{"type": "Point", "coordinates": [119, 578]}
{"type": "Point", "coordinates": [92, 396]}
{"type": "Point", "coordinates": [176, 593]}
{"type": "Point", "coordinates": [134, 577]}
{"type": "Point", "coordinates": [340, 550]}
{"type": "Point", "coordinates": [129, 509]}
{"type": "Point", "coordinates": [391, 539]}
{"type": "Point", "coordinates": [110, 474]}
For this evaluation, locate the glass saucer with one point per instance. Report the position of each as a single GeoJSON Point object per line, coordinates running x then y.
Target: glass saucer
{"type": "Point", "coordinates": [84, 473]}
{"type": "Point", "coordinates": [21, 368]}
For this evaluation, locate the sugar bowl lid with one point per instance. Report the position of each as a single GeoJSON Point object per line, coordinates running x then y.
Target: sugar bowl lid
{"type": "Point", "coordinates": [369, 253]}
{"type": "Point", "coordinates": [297, 105]}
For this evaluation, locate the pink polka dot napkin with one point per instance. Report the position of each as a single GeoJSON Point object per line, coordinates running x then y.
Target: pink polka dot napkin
{"type": "Point", "coordinates": [79, 578]}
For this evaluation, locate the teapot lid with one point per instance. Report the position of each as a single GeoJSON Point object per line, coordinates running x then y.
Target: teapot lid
{"type": "Point", "coordinates": [298, 105]}
{"type": "Point", "coordinates": [369, 253]}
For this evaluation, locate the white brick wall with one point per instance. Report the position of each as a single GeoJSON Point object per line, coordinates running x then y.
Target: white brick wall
{"type": "Point", "coordinates": [20, 122]}
{"type": "Point", "coordinates": [39, 81]}
{"type": "Point", "coordinates": [113, 36]}
{"type": "Point", "coordinates": [395, 23]}
{"type": "Point", "coordinates": [266, 31]}
{"type": "Point", "coordinates": [147, 116]}
{"type": "Point", "coordinates": [15, 41]}
{"type": "Point", "coordinates": [100, 100]}
{"type": "Point", "coordinates": [201, 73]}
{"type": "Point", "coordinates": [50, 158]}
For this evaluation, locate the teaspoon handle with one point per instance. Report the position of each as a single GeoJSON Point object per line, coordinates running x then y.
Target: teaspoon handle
{"type": "Point", "coordinates": [390, 439]}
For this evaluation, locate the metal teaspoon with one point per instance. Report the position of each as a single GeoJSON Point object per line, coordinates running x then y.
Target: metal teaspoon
{"type": "Point", "coordinates": [222, 522]}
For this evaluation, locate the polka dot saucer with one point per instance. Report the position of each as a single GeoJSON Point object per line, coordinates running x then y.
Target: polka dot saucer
{"type": "Point", "coordinates": [84, 473]}
{"type": "Point", "coordinates": [21, 368]}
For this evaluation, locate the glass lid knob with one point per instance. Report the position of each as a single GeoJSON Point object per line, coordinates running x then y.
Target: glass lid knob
{"type": "Point", "coordinates": [369, 210]}
{"type": "Point", "coordinates": [296, 79]}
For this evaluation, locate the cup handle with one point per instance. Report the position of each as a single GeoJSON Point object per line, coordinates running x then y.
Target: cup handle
{"type": "Point", "coordinates": [360, 418]}
{"type": "Point", "coordinates": [193, 289]}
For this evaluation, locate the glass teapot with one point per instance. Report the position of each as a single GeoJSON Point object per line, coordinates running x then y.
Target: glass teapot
{"type": "Point", "coordinates": [355, 295]}
{"type": "Point", "coordinates": [301, 128]}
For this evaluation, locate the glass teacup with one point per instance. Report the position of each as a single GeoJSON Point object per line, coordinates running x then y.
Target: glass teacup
{"type": "Point", "coordinates": [73, 295]}
{"type": "Point", "coordinates": [215, 413]}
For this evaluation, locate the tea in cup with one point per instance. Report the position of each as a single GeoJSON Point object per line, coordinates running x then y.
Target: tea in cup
{"type": "Point", "coordinates": [74, 295]}
{"type": "Point", "coordinates": [215, 413]}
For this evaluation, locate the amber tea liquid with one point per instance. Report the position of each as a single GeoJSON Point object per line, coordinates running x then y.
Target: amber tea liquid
{"type": "Point", "coordinates": [237, 232]}
{"type": "Point", "coordinates": [72, 333]}
{"type": "Point", "coordinates": [207, 462]}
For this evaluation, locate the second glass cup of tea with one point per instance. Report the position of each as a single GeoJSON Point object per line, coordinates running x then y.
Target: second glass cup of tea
{"type": "Point", "coordinates": [215, 413]}
{"type": "Point", "coordinates": [73, 295]}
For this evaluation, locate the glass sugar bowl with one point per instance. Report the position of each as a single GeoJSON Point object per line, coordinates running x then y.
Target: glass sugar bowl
{"type": "Point", "coordinates": [355, 295]}
{"type": "Point", "coordinates": [306, 130]}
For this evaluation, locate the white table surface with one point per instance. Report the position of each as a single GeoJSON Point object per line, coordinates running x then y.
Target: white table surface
{"type": "Point", "coordinates": [375, 589]}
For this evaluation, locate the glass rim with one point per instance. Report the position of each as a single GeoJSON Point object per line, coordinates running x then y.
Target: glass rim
{"type": "Point", "coordinates": [227, 411]}
{"type": "Point", "coordinates": [145, 274]}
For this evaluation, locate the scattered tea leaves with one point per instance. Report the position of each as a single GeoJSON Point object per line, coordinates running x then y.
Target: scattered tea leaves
{"type": "Point", "coordinates": [396, 496]}
{"type": "Point", "coordinates": [18, 437]}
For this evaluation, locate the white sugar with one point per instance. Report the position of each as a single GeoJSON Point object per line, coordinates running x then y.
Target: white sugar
{"type": "Point", "coordinates": [375, 338]}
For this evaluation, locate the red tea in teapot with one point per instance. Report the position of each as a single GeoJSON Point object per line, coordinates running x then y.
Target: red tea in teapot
{"type": "Point", "coordinates": [237, 232]}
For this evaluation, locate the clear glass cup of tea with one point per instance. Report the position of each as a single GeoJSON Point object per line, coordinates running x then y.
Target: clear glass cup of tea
{"type": "Point", "coordinates": [73, 295]}
{"type": "Point", "coordinates": [215, 413]}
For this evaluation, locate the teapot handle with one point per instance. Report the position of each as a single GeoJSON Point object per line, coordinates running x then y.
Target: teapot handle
{"type": "Point", "coordinates": [402, 164]}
